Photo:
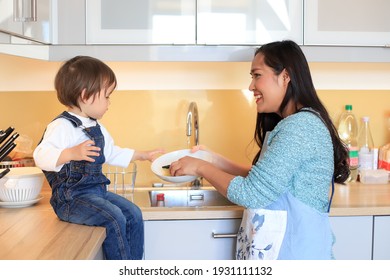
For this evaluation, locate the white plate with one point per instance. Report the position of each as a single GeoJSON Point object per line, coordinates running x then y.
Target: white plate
{"type": "Point", "coordinates": [19, 204]}
{"type": "Point", "coordinates": [168, 158]}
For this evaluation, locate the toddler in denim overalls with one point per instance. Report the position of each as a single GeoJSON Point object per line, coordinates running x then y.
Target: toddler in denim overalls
{"type": "Point", "coordinates": [73, 150]}
{"type": "Point", "coordinates": [80, 196]}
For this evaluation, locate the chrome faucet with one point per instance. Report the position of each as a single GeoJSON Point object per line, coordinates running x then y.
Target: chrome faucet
{"type": "Point", "coordinates": [193, 121]}
{"type": "Point", "coordinates": [193, 130]}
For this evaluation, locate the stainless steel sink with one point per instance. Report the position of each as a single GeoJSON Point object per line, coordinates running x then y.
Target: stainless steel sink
{"type": "Point", "coordinates": [190, 198]}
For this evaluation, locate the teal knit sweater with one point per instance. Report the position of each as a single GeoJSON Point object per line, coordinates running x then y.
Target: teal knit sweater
{"type": "Point", "coordinates": [299, 160]}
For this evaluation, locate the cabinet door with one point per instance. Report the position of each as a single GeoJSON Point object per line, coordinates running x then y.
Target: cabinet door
{"type": "Point", "coordinates": [347, 22]}
{"type": "Point", "coordinates": [353, 237]}
{"type": "Point", "coordinates": [381, 250]}
{"type": "Point", "coordinates": [28, 19]}
{"type": "Point", "coordinates": [40, 29]}
{"type": "Point", "coordinates": [141, 22]}
{"type": "Point", "coordinates": [191, 239]}
{"type": "Point", "coordinates": [7, 22]}
{"type": "Point", "coordinates": [243, 22]}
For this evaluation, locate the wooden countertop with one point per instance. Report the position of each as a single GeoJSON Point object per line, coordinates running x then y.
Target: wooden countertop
{"type": "Point", "coordinates": [35, 232]}
{"type": "Point", "coordinates": [352, 199]}
{"type": "Point", "coordinates": [356, 199]}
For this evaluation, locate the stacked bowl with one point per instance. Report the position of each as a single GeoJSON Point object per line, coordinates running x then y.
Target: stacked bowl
{"type": "Point", "coordinates": [21, 184]}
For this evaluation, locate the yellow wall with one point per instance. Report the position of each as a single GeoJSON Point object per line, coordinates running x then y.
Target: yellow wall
{"type": "Point", "coordinates": [149, 119]}
{"type": "Point", "coordinates": [154, 116]}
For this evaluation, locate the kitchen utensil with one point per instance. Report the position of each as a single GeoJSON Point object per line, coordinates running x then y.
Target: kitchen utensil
{"type": "Point", "coordinates": [5, 134]}
{"type": "Point", "coordinates": [7, 144]}
{"type": "Point", "coordinates": [21, 184]}
{"type": "Point", "coordinates": [4, 172]}
{"type": "Point", "coordinates": [7, 151]}
{"type": "Point", "coordinates": [160, 164]}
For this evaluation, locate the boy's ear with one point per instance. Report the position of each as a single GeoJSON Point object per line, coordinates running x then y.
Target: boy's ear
{"type": "Point", "coordinates": [82, 96]}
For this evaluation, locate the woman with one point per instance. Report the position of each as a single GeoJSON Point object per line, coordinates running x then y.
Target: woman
{"type": "Point", "coordinates": [286, 191]}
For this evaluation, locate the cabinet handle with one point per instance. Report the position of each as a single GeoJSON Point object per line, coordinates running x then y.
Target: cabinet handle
{"type": "Point", "coordinates": [196, 197]}
{"type": "Point", "coordinates": [224, 235]}
{"type": "Point", "coordinates": [25, 10]}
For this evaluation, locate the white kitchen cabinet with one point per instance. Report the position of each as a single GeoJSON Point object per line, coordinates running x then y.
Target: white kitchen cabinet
{"type": "Point", "coordinates": [44, 21]}
{"type": "Point", "coordinates": [40, 29]}
{"type": "Point", "coordinates": [381, 247]}
{"type": "Point", "coordinates": [248, 22]}
{"type": "Point", "coordinates": [191, 239]}
{"type": "Point", "coordinates": [26, 18]}
{"type": "Point", "coordinates": [7, 22]}
{"type": "Point", "coordinates": [140, 22]}
{"type": "Point", "coordinates": [353, 237]}
{"type": "Point", "coordinates": [347, 22]}
{"type": "Point", "coordinates": [210, 22]}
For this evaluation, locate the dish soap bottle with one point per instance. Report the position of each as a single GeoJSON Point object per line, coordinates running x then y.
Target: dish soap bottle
{"type": "Point", "coordinates": [160, 200]}
{"type": "Point", "coordinates": [366, 146]}
{"type": "Point", "coordinates": [348, 132]}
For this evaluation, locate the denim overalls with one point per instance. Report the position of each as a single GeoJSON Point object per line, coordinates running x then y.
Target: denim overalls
{"type": "Point", "coordinates": [79, 195]}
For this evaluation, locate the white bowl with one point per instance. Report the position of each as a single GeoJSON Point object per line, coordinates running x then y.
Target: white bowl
{"type": "Point", "coordinates": [21, 184]}
{"type": "Point", "coordinates": [168, 158]}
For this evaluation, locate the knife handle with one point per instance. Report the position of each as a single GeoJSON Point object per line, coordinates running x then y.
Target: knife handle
{"type": "Point", "coordinates": [7, 151]}
{"type": "Point", "coordinates": [4, 172]}
{"type": "Point", "coordinates": [9, 142]}
{"type": "Point", "coordinates": [6, 133]}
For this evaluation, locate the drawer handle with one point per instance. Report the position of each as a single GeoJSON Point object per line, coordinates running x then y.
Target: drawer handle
{"type": "Point", "coordinates": [224, 235]}
{"type": "Point", "coordinates": [196, 197]}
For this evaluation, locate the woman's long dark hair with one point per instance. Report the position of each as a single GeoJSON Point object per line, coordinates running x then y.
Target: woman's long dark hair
{"type": "Point", "coordinates": [288, 55]}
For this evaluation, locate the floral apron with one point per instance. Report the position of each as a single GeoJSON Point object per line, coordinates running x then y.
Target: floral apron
{"type": "Point", "coordinates": [286, 229]}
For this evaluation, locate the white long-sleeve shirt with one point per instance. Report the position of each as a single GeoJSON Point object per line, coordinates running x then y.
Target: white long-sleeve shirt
{"type": "Point", "coordinates": [61, 134]}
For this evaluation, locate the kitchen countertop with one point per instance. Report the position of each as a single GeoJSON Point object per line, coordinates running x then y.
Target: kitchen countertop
{"type": "Point", "coordinates": [356, 199]}
{"type": "Point", "coordinates": [35, 232]}
{"type": "Point", "coordinates": [352, 199]}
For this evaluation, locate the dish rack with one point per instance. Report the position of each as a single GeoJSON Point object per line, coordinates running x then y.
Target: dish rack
{"type": "Point", "coordinates": [25, 162]}
{"type": "Point", "coordinates": [122, 179]}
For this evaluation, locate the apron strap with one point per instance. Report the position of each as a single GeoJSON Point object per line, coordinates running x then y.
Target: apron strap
{"type": "Point", "coordinates": [331, 195]}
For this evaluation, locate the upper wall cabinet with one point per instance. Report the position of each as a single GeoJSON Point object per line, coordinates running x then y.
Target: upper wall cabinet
{"type": "Point", "coordinates": [248, 22]}
{"type": "Point", "coordinates": [191, 22]}
{"type": "Point", "coordinates": [26, 18]}
{"type": "Point", "coordinates": [44, 21]}
{"type": "Point", "coordinates": [194, 30]}
{"type": "Point", "coordinates": [141, 22]}
{"type": "Point", "coordinates": [347, 22]}
{"type": "Point", "coordinates": [7, 22]}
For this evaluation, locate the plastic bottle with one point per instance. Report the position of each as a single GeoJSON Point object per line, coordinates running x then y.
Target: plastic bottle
{"type": "Point", "coordinates": [160, 200]}
{"type": "Point", "coordinates": [348, 132]}
{"type": "Point", "coordinates": [366, 146]}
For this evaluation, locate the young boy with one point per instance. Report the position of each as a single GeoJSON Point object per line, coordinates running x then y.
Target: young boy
{"type": "Point", "coordinates": [73, 150]}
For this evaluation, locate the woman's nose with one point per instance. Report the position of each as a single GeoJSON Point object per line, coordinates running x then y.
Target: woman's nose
{"type": "Point", "coordinates": [251, 86]}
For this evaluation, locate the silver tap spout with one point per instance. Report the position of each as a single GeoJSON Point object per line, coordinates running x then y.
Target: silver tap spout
{"type": "Point", "coordinates": [193, 122]}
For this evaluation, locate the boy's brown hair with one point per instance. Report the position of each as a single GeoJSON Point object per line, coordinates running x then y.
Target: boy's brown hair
{"type": "Point", "coordinates": [82, 73]}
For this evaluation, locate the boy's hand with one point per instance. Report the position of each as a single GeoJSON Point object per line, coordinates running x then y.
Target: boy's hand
{"type": "Point", "coordinates": [147, 155]}
{"type": "Point", "coordinates": [85, 151]}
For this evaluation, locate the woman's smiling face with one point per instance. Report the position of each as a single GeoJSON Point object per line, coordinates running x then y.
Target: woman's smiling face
{"type": "Point", "coordinates": [269, 89]}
